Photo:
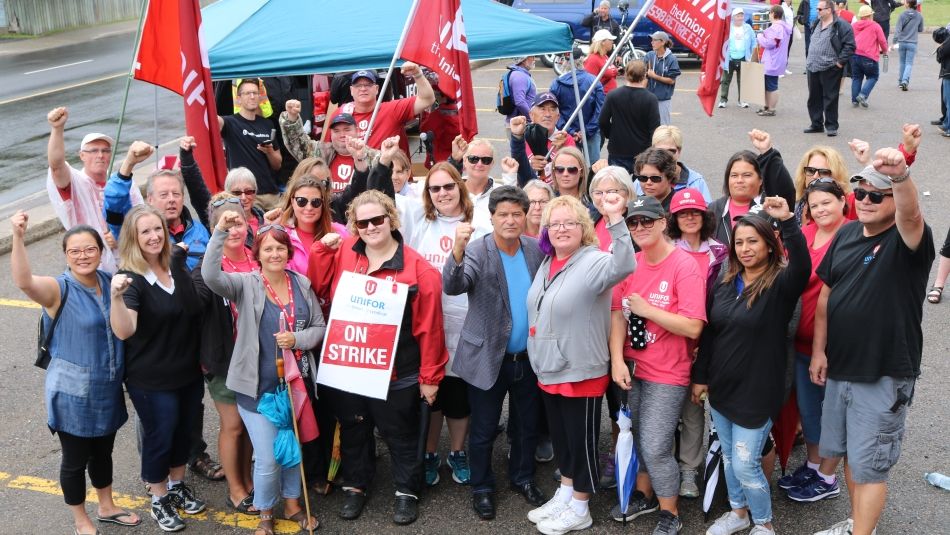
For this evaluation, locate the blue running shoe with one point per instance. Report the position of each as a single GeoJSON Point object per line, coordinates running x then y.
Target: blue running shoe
{"type": "Point", "coordinates": [814, 491]}
{"type": "Point", "coordinates": [458, 462]}
{"type": "Point", "coordinates": [798, 478]}
{"type": "Point", "coordinates": [432, 463]}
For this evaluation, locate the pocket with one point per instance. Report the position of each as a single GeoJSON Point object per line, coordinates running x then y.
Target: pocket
{"type": "Point", "coordinates": [545, 354]}
{"type": "Point", "coordinates": [471, 339]}
{"type": "Point", "coordinates": [887, 450]}
{"type": "Point", "coordinates": [68, 378]}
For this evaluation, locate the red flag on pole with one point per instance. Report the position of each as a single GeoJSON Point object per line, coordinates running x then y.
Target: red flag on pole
{"type": "Point", "coordinates": [436, 39]}
{"type": "Point", "coordinates": [704, 28]}
{"type": "Point", "coordinates": [171, 55]}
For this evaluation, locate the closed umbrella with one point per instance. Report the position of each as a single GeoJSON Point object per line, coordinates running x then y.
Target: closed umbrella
{"type": "Point", "coordinates": [712, 470]}
{"type": "Point", "coordinates": [275, 406]}
{"type": "Point", "coordinates": [625, 459]}
{"type": "Point", "coordinates": [785, 429]}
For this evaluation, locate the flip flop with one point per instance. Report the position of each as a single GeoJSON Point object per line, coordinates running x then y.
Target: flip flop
{"type": "Point", "coordinates": [300, 517]}
{"type": "Point", "coordinates": [243, 506]}
{"type": "Point", "coordinates": [114, 519]}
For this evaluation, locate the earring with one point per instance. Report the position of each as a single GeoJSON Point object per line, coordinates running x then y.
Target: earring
{"type": "Point", "coordinates": [770, 250]}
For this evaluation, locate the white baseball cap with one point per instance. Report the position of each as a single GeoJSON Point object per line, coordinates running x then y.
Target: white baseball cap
{"type": "Point", "coordinates": [603, 35]}
{"type": "Point", "coordinates": [96, 136]}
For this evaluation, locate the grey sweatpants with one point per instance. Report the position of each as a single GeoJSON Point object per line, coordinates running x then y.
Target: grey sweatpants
{"type": "Point", "coordinates": [655, 409]}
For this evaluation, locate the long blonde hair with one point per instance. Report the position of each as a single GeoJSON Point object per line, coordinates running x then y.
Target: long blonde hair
{"type": "Point", "coordinates": [130, 254]}
{"type": "Point", "coordinates": [839, 171]}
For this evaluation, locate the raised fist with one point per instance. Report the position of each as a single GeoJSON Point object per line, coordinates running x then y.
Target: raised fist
{"type": "Point", "coordinates": [57, 117]}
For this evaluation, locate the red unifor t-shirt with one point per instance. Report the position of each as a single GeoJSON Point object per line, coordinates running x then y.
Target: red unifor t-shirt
{"type": "Point", "coordinates": [588, 388]}
{"type": "Point", "coordinates": [806, 324]}
{"type": "Point", "coordinates": [736, 210]}
{"type": "Point", "coordinates": [341, 172]}
{"type": "Point", "coordinates": [390, 121]}
{"type": "Point", "coordinates": [675, 285]}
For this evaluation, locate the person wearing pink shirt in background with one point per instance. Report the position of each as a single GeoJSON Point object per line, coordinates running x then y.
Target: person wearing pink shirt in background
{"type": "Point", "coordinates": [870, 43]}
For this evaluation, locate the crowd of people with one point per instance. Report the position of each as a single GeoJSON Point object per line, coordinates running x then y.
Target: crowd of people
{"type": "Point", "coordinates": [556, 284]}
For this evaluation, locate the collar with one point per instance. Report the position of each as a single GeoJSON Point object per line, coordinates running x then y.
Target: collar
{"type": "Point", "coordinates": [152, 278]}
{"type": "Point", "coordinates": [395, 263]}
{"type": "Point", "coordinates": [490, 185]}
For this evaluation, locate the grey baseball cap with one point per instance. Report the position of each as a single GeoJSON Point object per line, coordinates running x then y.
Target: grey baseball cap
{"type": "Point", "coordinates": [873, 177]}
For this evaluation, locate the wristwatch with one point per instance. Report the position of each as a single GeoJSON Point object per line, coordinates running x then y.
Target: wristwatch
{"type": "Point", "coordinates": [900, 178]}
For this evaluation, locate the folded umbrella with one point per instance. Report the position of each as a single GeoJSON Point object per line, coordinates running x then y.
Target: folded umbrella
{"type": "Point", "coordinates": [785, 429]}
{"type": "Point", "coordinates": [536, 136]}
{"type": "Point", "coordinates": [625, 459]}
{"type": "Point", "coordinates": [275, 406]}
{"type": "Point", "coordinates": [712, 470]}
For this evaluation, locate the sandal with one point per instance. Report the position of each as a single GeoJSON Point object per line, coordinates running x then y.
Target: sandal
{"type": "Point", "coordinates": [265, 526]}
{"type": "Point", "coordinates": [301, 519]}
{"type": "Point", "coordinates": [117, 519]}
{"type": "Point", "coordinates": [244, 506]}
{"type": "Point", "coordinates": [207, 468]}
{"type": "Point", "coordinates": [935, 294]}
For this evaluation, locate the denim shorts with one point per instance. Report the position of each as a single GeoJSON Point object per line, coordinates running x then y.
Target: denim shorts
{"type": "Point", "coordinates": [771, 83]}
{"type": "Point", "coordinates": [865, 421]}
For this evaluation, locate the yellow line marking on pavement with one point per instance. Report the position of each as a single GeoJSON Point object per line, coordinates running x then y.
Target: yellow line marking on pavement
{"type": "Point", "coordinates": [18, 303]}
{"type": "Point", "coordinates": [63, 88]}
{"type": "Point", "coordinates": [686, 90]}
{"type": "Point", "coordinates": [140, 505]}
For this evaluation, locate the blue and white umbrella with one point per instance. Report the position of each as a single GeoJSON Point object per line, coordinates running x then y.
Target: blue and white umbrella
{"type": "Point", "coordinates": [625, 459]}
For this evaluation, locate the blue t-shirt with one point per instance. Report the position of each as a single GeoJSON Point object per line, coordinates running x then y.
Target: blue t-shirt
{"type": "Point", "coordinates": [519, 281]}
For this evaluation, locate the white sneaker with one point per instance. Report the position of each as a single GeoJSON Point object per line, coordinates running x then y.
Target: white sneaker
{"type": "Point", "coordinates": [566, 521]}
{"type": "Point", "coordinates": [688, 487]}
{"type": "Point", "coordinates": [842, 528]}
{"type": "Point", "coordinates": [743, 104]}
{"type": "Point", "coordinates": [728, 524]}
{"type": "Point", "coordinates": [550, 509]}
{"type": "Point", "coordinates": [722, 104]}
{"type": "Point", "coordinates": [761, 530]}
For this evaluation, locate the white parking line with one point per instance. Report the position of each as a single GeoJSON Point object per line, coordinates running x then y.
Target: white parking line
{"type": "Point", "coordinates": [59, 66]}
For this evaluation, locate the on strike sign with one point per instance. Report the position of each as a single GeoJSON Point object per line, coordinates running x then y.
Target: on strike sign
{"type": "Point", "coordinates": [360, 344]}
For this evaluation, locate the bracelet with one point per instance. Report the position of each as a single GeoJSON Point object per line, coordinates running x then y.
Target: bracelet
{"type": "Point", "coordinates": [900, 178]}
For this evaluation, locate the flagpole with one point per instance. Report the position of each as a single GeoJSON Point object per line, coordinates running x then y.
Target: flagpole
{"type": "Point", "coordinates": [577, 96]}
{"type": "Point", "coordinates": [392, 65]}
{"type": "Point", "coordinates": [128, 82]}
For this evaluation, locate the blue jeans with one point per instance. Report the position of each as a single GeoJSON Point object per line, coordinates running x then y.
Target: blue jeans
{"type": "Point", "coordinates": [166, 417]}
{"type": "Point", "coordinates": [810, 397]}
{"type": "Point", "coordinates": [742, 464]}
{"type": "Point", "coordinates": [271, 481]}
{"type": "Point", "coordinates": [593, 147]}
{"type": "Point", "coordinates": [866, 70]}
{"type": "Point", "coordinates": [524, 404]}
{"type": "Point", "coordinates": [907, 51]}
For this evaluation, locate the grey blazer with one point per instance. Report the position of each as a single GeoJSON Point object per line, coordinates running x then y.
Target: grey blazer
{"type": "Point", "coordinates": [487, 325]}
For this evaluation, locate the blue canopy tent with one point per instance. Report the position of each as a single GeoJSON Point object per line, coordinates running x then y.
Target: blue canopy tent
{"type": "Point", "coordinates": [294, 37]}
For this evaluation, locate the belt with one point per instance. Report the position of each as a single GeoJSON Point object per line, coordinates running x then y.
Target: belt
{"type": "Point", "coordinates": [517, 357]}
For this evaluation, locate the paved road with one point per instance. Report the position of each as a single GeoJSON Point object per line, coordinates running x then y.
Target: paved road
{"type": "Point", "coordinates": [31, 455]}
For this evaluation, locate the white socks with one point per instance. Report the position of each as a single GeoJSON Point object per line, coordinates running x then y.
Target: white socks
{"type": "Point", "coordinates": [172, 483]}
{"type": "Point", "coordinates": [813, 466]}
{"type": "Point", "coordinates": [565, 493]}
{"type": "Point", "coordinates": [827, 479]}
{"type": "Point", "coordinates": [579, 506]}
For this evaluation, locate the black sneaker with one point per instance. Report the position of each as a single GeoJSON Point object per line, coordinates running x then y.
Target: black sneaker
{"type": "Point", "coordinates": [184, 498]}
{"type": "Point", "coordinates": [669, 524]}
{"type": "Point", "coordinates": [639, 505]}
{"type": "Point", "coordinates": [163, 511]}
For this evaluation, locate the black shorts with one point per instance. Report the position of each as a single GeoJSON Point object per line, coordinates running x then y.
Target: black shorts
{"type": "Point", "coordinates": [452, 398]}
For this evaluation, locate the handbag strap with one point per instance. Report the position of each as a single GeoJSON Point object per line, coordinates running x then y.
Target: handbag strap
{"type": "Point", "coordinates": [52, 326]}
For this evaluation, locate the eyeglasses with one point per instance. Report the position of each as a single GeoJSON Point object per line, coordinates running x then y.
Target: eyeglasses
{"type": "Point", "coordinates": [377, 221]}
{"type": "Point", "coordinates": [220, 202]}
{"type": "Point", "coordinates": [644, 222]}
{"type": "Point", "coordinates": [362, 86]}
{"type": "Point", "coordinates": [822, 8]}
{"type": "Point", "coordinates": [487, 160]}
{"type": "Point", "coordinates": [248, 192]}
{"type": "Point", "coordinates": [567, 225]}
{"type": "Point", "coordinates": [571, 170]}
{"type": "Point", "coordinates": [273, 226]}
{"type": "Point", "coordinates": [86, 251]}
{"type": "Point", "coordinates": [97, 151]}
{"type": "Point", "coordinates": [447, 187]}
{"type": "Point", "coordinates": [538, 203]}
{"type": "Point", "coordinates": [812, 171]}
{"type": "Point", "coordinates": [301, 202]}
{"type": "Point", "coordinates": [250, 94]}
{"type": "Point", "coordinates": [652, 178]}
{"type": "Point", "coordinates": [601, 193]}
{"type": "Point", "coordinates": [876, 197]}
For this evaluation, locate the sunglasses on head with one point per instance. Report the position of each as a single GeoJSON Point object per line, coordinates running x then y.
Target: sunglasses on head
{"type": "Point", "coordinates": [447, 187]}
{"type": "Point", "coordinates": [273, 226]}
{"type": "Point", "coordinates": [652, 178]}
{"type": "Point", "coordinates": [876, 197]}
{"type": "Point", "coordinates": [820, 171]}
{"type": "Point", "coordinates": [571, 170]}
{"type": "Point", "coordinates": [239, 192]}
{"type": "Point", "coordinates": [487, 160]}
{"type": "Point", "coordinates": [377, 221]}
{"type": "Point", "coordinates": [316, 202]}
{"type": "Point", "coordinates": [220, 202]}
{"type": "Point", "coordinates": [644, 222]}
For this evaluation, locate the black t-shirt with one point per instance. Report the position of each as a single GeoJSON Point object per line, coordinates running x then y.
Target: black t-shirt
{"type": "Point", "coordinates": [163, 352]}
{"type": "Point", "coordinates": [876, 303]}
{"type": "Point", "coordinates": [241, 138]}
{"type": "Point", "coordinates": [628, 119]}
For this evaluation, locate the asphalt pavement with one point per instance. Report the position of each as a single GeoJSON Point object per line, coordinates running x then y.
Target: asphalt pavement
{"type": "Point", "coordinates": [29, 466]}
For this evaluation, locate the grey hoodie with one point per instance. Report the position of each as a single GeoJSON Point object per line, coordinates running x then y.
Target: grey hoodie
{"type": "Point", "coordinates": [569, 316]}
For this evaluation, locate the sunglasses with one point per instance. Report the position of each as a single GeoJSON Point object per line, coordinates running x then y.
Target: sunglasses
{"type": "Point", "coordinates": [239, 192]}
{"type": "Point", "coordinates": [652, 178]}
{"type": "Point", "coordinates": [571, 170]}
{"type": "Point", "coordinates": [447, 187]}
{"type": "Point", "coordinates": [876, 197]}
{"type": "Point", "coordinates": [301, 202]}
{"type": "Point", "coordinates": [644, 222]}
{"type": "Point", "coordinates": [377, 221]}
{"type": "Point", "coordinates": [812, 171]}
{"type": "Point", "coordinates": [220, 202]}
{"type": "Point", "coordinates": [273, 226]}
{"type": "Point", "coordinates": [487, 160]}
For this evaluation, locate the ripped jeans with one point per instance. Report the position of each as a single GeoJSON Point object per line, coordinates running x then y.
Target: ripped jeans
{"type": "Point", "coordinates": [742, 464]}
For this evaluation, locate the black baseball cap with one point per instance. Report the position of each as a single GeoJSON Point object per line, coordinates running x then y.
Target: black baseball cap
{"type": "Point", "coordinates": [342, 118]}
{"type": "Point", "coordinates": [645, 205]}
{"type": "Point", "coordinates": [547, 96]}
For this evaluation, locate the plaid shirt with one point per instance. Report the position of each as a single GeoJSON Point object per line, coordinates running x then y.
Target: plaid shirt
{"type": "Point", "coordinates": [821, 54]}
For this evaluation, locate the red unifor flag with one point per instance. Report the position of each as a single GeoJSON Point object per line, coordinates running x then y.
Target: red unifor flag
{"type": "Point", "coordinates": [171, 55]}
{"type": "Point", "coordinates": [703, 26]}
{"type": "Point", "coordinates": [436, 39]}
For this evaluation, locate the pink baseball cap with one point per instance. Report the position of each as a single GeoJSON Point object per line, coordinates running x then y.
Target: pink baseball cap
{"type": "Point", "coordinates": [687, 199]}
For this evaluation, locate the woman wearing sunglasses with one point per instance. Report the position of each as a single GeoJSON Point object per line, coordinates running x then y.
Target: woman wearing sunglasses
{"type": "Point", "coordinates": [743, 353]}
{"type": "Point", "coordinates": [570, 175]}
{"type": "Point", "coordinates": [821, 162]}
{"type": "Point", "coordinates": [217, 345]}
{"type": "Point", "coordinates": [656, 314]}
{"type": "Point", "coordinates": [655, 171]}
{"type": "Point", "coordinates": [376, 249]}
{"type": "Point", "coordinates": [261, 299]}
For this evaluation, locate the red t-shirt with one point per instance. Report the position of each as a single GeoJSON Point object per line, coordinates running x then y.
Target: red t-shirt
{"type": "Point", "coordinates": [306, 238]}
{"type": "Point", "coordinates": [604, 240]}
{"type": "Point", "coordinates": [444, 123]}
{"type": "Point", "coordinates": [806, 324]}
{"type": "Point", "coordinates": [390, 121]}
{"type": "Point", "coordinates": [736, 210]}
{"type": "Point", "coordinates": [675, 285]}
{"type": "Point", "coordinates": [594, 63]}
{"type": "Point", "coordinates": [341, 172]}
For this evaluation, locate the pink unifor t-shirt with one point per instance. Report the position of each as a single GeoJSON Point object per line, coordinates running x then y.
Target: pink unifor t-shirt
{"type": "Point", "coordinates": [675, 285]}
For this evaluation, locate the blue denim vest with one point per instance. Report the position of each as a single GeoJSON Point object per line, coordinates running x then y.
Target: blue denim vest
{"type": "Point", "coordinates": [84, 379]}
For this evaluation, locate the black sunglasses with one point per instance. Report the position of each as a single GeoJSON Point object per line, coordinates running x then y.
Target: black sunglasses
{"type": "Point", "coordinates": [571, 170]}
{"type": "Point", "coordinates": [273, 226]}
{"type": "Point", "coordinates": [652, 178]}
{"type": "Point", "coordinates": [316, 202]}
{"type": "Point", "coordinates": [876, 197]}
{"type": "Point", "coordinates": [377, 221]}
{"type": "Point", "coordinates": [820, 171]}
{"type": "Point", "coordinates": [644, 222]}
{"type": "Point", "coordinates": [447, 187]}
{"type": "Point", "coordinates": [487, 160]}
{"type": "Point", "coordinates": [220, 202]}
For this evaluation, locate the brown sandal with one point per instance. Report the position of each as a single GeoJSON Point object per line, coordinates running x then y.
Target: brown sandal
{"type": "Point", "coordinates": [265, 526]}
{"type": "Point", "coordinates": [300, 517]}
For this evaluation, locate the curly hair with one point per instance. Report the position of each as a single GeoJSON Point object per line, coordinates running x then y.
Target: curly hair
{"type": "Point", "coordinates": [372, 197]}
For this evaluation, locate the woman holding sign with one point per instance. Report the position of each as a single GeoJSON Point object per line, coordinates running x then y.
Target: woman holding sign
{"type": "Point", "coordinates": [377, 254]}
{"type": "Point", "coordinates": [262, 300]}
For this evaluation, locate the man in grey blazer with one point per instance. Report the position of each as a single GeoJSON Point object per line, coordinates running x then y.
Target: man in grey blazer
{"type": "Point", "coordinates": [496, 271]}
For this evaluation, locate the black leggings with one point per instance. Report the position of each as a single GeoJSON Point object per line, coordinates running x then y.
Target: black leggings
{"type": "Point", "coordinates": [80, 454]}
{"type": "Point", "coordinates": [945, 250]}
